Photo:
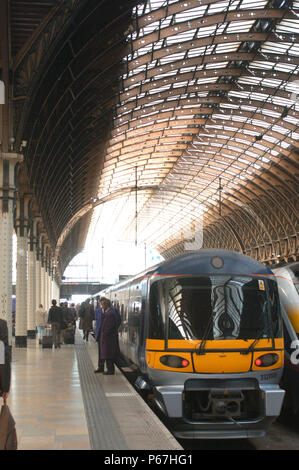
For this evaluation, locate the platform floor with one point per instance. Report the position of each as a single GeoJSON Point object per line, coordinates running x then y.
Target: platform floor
{"type": "Point", "coordinates": [58, 403]}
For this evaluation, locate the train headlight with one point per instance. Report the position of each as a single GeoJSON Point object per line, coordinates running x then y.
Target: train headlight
{"type": "Point", "coordinates": [176, 362]}
{"type": "Point", "coordinates": [266, 360]}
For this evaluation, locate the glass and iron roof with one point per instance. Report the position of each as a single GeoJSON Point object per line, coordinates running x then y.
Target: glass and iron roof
{"type": "Point", "coordinates": [208, 101]}
{"type": "Point", "coordinates": [154, 119]}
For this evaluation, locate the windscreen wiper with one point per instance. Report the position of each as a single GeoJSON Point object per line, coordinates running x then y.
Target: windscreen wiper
{"type": "Point", "coordinates": [251, 347]}
{"type": "Point", "coordinates": [201, 349]}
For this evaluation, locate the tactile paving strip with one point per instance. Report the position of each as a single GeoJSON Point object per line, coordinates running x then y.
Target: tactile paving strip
{"type": "Point", "coordinates": [104, 432]}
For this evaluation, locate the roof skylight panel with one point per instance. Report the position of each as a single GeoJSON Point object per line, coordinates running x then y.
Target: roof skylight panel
{"type": "Point", "coordinates": [227, 47]}
{"type": "Point", "coordinates": [275, 47]}
{"type": "Point", "coordinates": [197, 12]}
{"type": "Point", "coordinates": [264, 65]}
{"type": "Point", "coordinates": [282, 101]}
{"type": "Point", "coordinates": [239, 94]}
{"type": "Point", "coordinates": [228, 105]}
{"type": "Point", "coordinates": [255, 4]}
{"type": "Point", "coordinates": [259, 123]}
{"type": "Point", "coordinates": [239, 26]}
{"type": "Point", "coordinates": [283, 67]}
{"type": "Point", "coordinates": [280, 129]}
{"type": "Point", "coordinates": [187, 69]}
{"type": "Point", "coordinates": [199, 51]}
{"type": "Point", "coordinates": [270, 139]}
{"type": "Point", "coordinates": [288, 26]}
{"type": "Point", "coordinates": [216, 65]}
{"type": "Point", "coordinates": [150, 28]}
{"type": "Point", "coordinates": [201, 81]}
{"type": "Point", "coordinates": [169, 73]}
{"type": "Point", "coordinates": [292, 120]}
{"type": "Point", "coordinates": [158, 90]}
{"type": "Point", "coordinates": [171, 58]}
{"type": "Point", "coordinates": [220, 7]}
{"type": "Point", "coordinates": [260, 81]}
{"type": "Point", "coordinates": [211, 30]}
{"type": "Point", "coordinates": [294, 136]}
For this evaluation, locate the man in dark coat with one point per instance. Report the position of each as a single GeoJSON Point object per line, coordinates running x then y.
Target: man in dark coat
{"type": "Point", "coordinates": [5, 359]}
{"type": "Point", "coordinates": [87, 317]}
{"type": "Point", "coordinates": [57, 322]}
{"type": "Point", "coordinates": [98, 313]}
{"type": "Point", "coordinates": [109, 346]}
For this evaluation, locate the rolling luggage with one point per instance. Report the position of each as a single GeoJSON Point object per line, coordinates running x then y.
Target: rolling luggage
{"type": "Point", "coordinates": [69, 335]}
{"type": "Point", "coordinates": [47, 339]}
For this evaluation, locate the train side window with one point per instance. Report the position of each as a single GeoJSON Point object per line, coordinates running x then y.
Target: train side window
{"type": "Point", "coordinates": [122, 316]}
{"type": "Point", "coordinates": [156, 318]}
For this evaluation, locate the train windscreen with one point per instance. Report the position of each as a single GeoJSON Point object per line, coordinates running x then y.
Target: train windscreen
{"type": "Point", "coordinates": [214, 307]}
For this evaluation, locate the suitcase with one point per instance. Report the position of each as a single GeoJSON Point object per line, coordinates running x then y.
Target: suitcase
{"type": "Point", "coordinates": [47, 339]}
{"type": "Point", "coordinates": [69, 336]}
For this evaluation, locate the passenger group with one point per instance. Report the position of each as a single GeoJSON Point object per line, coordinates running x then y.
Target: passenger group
{"type": "Point", "coordinates": [101, 322]}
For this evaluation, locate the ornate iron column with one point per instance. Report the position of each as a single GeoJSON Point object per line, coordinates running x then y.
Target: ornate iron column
{"type": "Point", "coordinates": [31, 300]}
{"type": "Point", "coordinates": [7, 190]}
{"type": "Point", "coordinates": [21, 283]}
{"type": "Point", "coordinates": [38, 299]}
{"type": "Point", "coordinates": [42, 277]}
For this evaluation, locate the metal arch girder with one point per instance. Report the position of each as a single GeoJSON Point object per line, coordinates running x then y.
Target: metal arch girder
{"type": "Point", "coordinates": [167, 50]}
{"type": "Point", "coordinates": [207, 20]}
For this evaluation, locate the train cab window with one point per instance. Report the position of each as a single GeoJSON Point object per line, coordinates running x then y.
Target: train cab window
{"type": "Point", "coordinates": [156, 327]}
{"type": "Point", "coordinates": [214, 307]}
{"type": "Point", "coordinates": [189, 308]}
{"type": "Point", "coordinates": [274, 304]}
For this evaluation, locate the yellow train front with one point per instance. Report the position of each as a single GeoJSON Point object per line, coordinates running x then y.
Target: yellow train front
{"type": "Point", "coordinates": [205, 332]}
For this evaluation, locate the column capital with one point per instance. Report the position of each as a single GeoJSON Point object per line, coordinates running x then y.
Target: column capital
{"type": "Point", "coordinates": [8, 160]}
{"type": "Point", "coordinates": [22, 217]}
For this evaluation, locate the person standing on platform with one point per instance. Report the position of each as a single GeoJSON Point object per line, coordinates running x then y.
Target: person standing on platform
{"type": "Point", "coordinates": [65, 316]}
{"type": "Point", "coordinates": [73, 314]}
{"type": "Point", "coordinates": [55, 318]}
{"type": "Point", "coordinates": [5, 359]}
{"type": "Point", "coordinates": [109, 346]}
{"type": "Point", "coordinates": [87, 316]}
{"type": "Point", "coordinates": [98, 318]}
{"type": "Point", "coordinates": [40, 321]}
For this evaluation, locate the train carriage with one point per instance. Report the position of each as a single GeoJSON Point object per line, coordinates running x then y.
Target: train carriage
{"type": "Point", "coordinates": [204, 331]}
{"type": "Point", "coordinates": [288, 286]}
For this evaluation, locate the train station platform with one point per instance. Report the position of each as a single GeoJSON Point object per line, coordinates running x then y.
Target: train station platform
{"type": "Point", "coordinates": [59, 403]}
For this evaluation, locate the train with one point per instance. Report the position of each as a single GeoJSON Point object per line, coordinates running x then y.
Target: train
{"type": "Point", "coordinates": [204, 333]}
{"type": "Point", "coordinates": [288, 286]}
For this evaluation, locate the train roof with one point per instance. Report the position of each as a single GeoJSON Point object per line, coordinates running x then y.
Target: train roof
{"type": "Point", "coordinates": [204, 261]}
{"type": "Point", "coordinates": [207, 261]}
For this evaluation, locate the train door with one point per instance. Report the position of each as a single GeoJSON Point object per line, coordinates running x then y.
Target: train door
{"type": "Point", "coordinates": [136, 323]}
{"type": "Point", "coordinates": [142, 327]}
{"type": "Point", "coordinates": [122, 298]}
